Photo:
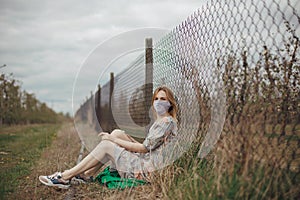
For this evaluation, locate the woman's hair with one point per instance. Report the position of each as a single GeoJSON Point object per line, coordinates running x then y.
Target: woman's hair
{"type": "Point", "coordinates": [173, 108]}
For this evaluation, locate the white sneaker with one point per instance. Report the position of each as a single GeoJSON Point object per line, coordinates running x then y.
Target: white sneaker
{"type": "Point", "coordinates": [55, 180]}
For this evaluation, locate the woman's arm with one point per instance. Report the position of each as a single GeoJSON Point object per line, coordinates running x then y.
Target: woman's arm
{"type": "Point", "coordinates": [130, 146]}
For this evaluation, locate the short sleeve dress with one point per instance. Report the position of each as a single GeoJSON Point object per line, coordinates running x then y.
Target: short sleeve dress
{"type": "Point", "coordinates": [140, 165]}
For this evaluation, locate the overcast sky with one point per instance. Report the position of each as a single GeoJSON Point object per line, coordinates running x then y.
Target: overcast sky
{"type": "Point", "coordinates": [44, 43]}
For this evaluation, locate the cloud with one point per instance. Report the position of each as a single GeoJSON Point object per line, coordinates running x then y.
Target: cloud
{"type": "Point", "coordinates": [44, 43]}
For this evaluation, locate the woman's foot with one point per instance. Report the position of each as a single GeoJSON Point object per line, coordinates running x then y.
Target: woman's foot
{"type": "Point", "coordinates": [55, 180]}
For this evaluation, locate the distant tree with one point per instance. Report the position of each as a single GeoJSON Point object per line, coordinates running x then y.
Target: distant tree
{"type": "Point", "coordinates": [18, 107]}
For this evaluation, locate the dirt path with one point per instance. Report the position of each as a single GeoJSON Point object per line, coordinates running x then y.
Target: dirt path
{"type": "Point", "coordinates": [63, 154]}
{"type": "Point", "coordinates": [60, 155]}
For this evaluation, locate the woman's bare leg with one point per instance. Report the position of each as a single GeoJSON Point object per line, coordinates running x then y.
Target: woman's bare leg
{"type": "Point", "coordinates": [98, 157]}
{"type": "Point", "coordinates": [92, 171]}
{"type": "Point", "coordinates": [122, 135]}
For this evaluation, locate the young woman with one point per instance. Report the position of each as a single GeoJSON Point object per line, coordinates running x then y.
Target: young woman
{"type": "Point", "coordinates": [131, 158]}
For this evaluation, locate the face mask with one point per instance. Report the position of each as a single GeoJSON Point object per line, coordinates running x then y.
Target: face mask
{"type": "Point", "coordinates": [161, 107]}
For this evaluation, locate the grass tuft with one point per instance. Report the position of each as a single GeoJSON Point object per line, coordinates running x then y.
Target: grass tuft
{"type": "Point", "coordinates": [20, 148]}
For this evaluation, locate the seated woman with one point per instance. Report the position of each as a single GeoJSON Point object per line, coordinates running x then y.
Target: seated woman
{"type": "Point", "coordinates": [131, 158]}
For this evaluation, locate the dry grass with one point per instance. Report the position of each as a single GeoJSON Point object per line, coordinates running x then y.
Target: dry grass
{"type": "Point", "coordinates": [252, 167]}
{"type": "Point", "coordinates": [240, 167]}
{"type": "Point", "coordinates": [262, 165]}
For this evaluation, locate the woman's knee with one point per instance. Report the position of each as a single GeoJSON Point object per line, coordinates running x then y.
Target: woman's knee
{"type": "Point", "coordinates": [105, 144]}
{"type": "Point", "coordinates": [102, 150]}
{"type": "Point", "coordinates": [117, 133]}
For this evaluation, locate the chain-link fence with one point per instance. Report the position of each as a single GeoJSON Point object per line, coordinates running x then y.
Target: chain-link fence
{"type": "Point", "coordinates": [230, 63]}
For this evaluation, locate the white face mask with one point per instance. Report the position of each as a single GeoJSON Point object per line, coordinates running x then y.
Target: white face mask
{"type": "Point", "coordinates": [161, 107]}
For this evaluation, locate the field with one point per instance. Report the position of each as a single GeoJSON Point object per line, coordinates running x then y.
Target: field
{"type": "Point", "coordinates": [30, 151]}
{"type": "Point", "coordinates": [20, 148]}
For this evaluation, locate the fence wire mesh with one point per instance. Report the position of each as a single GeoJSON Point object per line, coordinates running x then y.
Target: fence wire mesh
{"type": "Point", "coordinates": [230, 63]}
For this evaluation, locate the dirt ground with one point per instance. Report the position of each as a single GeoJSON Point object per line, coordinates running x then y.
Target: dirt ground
{"type": "Point", "coordinates": [61, 155]}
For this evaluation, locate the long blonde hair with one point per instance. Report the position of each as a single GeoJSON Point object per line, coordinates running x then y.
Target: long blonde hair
{"type": "Point", "coordinates": [171, 98]}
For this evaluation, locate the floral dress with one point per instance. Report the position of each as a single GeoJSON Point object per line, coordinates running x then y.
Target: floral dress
{"type": "Point", "coordinates": [139, 165]}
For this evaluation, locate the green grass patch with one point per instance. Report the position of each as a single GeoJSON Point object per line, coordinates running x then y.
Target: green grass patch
{"type": "Point", "coordinates": [206, 179]}
{"type": "Point", "coordinates": [20, 148]}
{"type": "Point", "coordinates": [263, 182]}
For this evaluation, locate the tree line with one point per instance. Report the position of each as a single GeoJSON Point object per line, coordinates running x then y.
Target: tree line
{"type": "Point", "coordinates": [20, 107]}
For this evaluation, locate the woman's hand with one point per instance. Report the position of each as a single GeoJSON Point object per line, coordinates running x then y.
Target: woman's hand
{"type": "Point", "coordinates": [106, 136]}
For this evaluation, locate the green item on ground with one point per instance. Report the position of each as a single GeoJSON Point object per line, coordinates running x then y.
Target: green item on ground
{"type": "Point", "coordinates": [113, 180]}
